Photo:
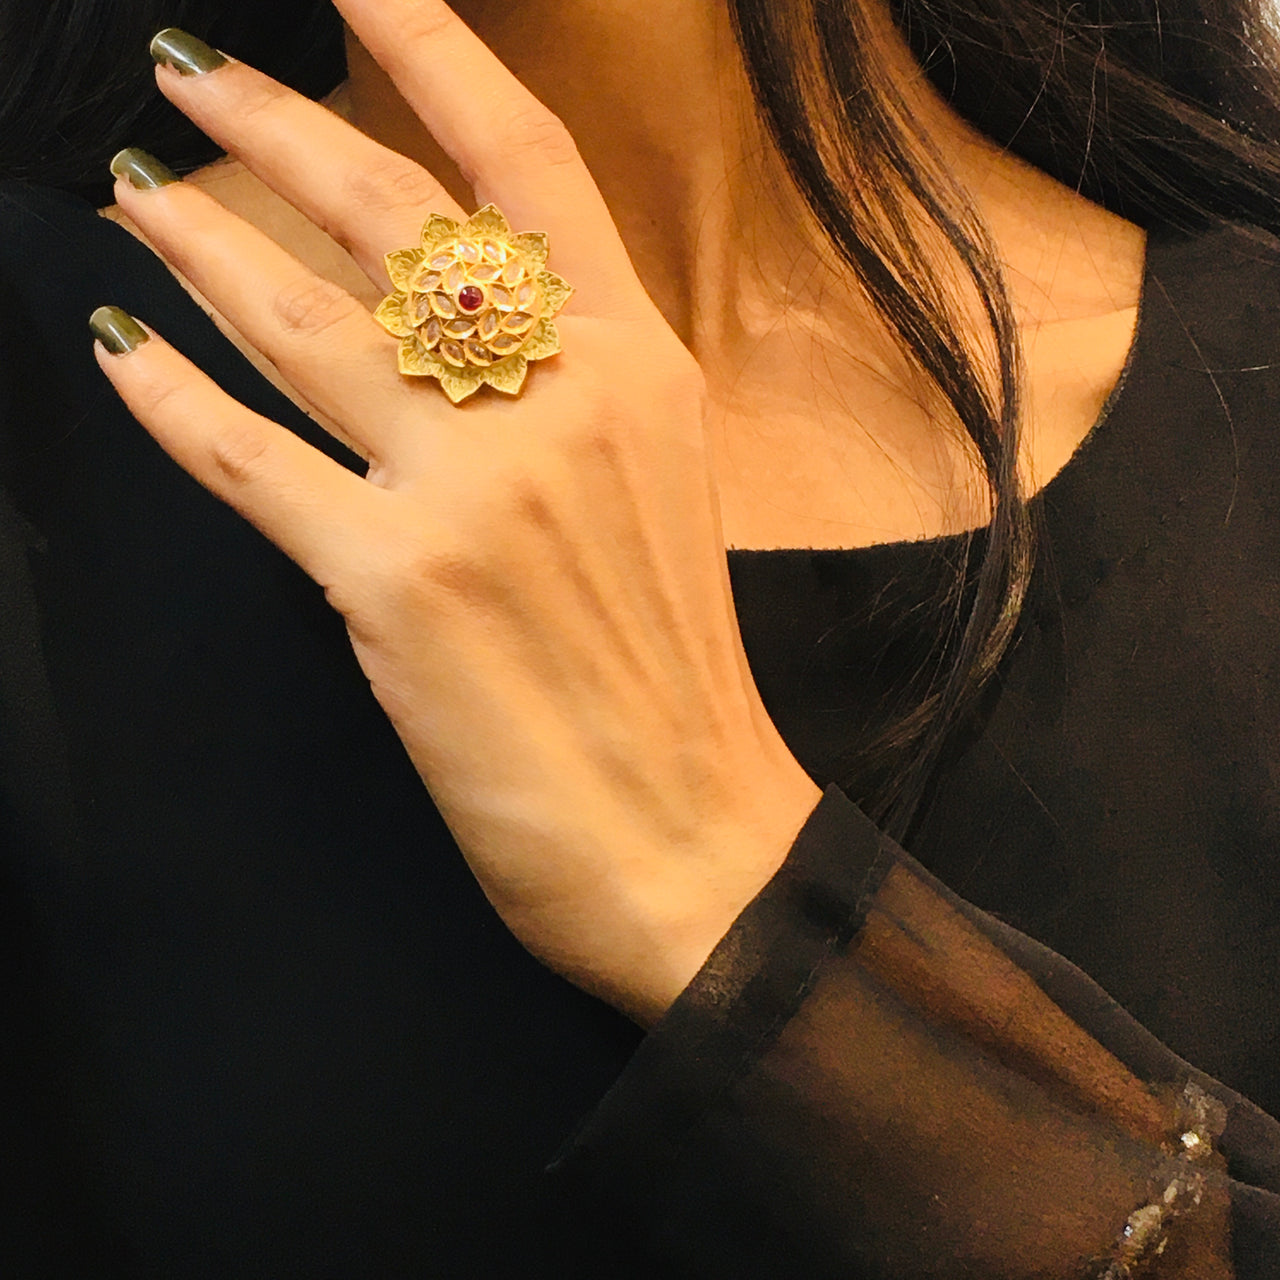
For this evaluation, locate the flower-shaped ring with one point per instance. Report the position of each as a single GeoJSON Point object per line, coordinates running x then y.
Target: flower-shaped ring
{"type": "Point", "coordinates": [474, 304]}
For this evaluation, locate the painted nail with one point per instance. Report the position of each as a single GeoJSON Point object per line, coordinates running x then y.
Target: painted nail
{"type": "Point", "coordinates": [117, 330]}
{"type": "Point", "coordinates": [187, 54]}
{"type": "Point", "coordinates": [142, 169]}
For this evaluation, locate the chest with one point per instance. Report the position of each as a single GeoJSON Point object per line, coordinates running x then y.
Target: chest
{"type": "Point", "coordinates": [854, 460]}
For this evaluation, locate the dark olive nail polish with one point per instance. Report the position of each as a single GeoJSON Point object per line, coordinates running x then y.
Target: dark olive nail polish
{"type": "Point", "coordinates": [117, 330]}
{"type": "Point", "coordinates": [186, 53]}
{"type": "Point", "coordinates": [141, 169]}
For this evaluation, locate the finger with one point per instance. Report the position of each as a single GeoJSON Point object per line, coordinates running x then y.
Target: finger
{"type": "Point", "coordinates": [322, 339]}
{"type": "Point", "coordinates": [316, 511]}
{"type": "Point", "coordinates": [368, 198]}
{"type": "Point", "coordinates": [510, 148]}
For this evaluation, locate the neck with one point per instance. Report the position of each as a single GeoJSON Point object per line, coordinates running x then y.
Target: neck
{"type": "Point", "coordinates": [656, 98]}
{"type": "Point", "coordinates": [654, 95]}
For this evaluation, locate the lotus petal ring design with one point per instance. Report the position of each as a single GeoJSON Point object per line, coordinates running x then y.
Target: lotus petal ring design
{"type": "Point", "coordinates": [473, 304]}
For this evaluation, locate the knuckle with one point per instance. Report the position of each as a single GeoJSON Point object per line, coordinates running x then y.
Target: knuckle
{"type": "Point", "coordinates": [159, 399]}
{"type": "Point", "coordinates": [600, 443]}
{"type": "Point", "coordinates": [423, 23]}
{"type": "Point", "coordinates": [389, 184]}
{"type": "Point", "coordinates": [239, 451]}
{"type": "Point", "coordinates": [310, 307]}
{"type": "Point", "coordinates": [450, 577]}
{"type": "Point", "coordinates": [536, 130]}
{"type": "Point", "coordinates": [257, 97]}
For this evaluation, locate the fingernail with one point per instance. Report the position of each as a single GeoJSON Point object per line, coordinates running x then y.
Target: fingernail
{"type": "Point", "coordinates": [142, 169]}
{"type": "Point", "coordinates": [117, 330]}
{"type": "Point", "coordinates": [187, 54]}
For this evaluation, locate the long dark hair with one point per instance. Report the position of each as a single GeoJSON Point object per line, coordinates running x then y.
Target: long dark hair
{"type": "Point", "coordinates": [1166, 112]}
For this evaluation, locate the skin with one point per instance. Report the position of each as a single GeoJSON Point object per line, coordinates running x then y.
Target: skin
{"type": "Point", "coordinates": [547, 574]}
{"type": "Point", "coordinates": [855, 454]}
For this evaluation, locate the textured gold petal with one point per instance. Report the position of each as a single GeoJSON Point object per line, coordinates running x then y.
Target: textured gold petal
{"type": "Point", "coordinates": [504, 344]}
{"type": "Point", "coordinates": [508, 375]}
{"type": "Point", "coordinates": [438, 228]}
{"type": "Point", "coordinates": [487, 222]}
{"type": "Point", "coordinates": [417, 361]}
{"type": "Point", "coordinates": [401, 266]}
{"type": "Point", "coordinates": [458, 386]}
{"type": "Point", "coordinates": [555, 289]}
{"type": "Point", "coordinates": [534, 247]}
{"type": "Point", "coordinates": [390, 315]}
{"type": "Point", "coordinates": [543, 342]}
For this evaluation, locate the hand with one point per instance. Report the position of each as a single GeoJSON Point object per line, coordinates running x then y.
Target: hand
{"type": "Point", "coordinates": [535, 587]}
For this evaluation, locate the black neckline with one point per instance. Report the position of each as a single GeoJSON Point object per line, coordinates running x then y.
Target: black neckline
{"type": "Point", "coordinates": [1064, 476]}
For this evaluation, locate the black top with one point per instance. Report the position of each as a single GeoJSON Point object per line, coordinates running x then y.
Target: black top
{"type": "Point", "coordinates": [260, 1021]}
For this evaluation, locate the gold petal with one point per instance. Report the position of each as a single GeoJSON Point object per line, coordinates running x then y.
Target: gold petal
{"type": "Point", "coordinates": [428, 278]}
{"type": "Point", "coordinates": [390, 315]}
{"type": "Point", "coordinates": [438, 228]}
{"type": "Point", "coordinates": [504, 343]}
{"type": "Point", "coordinates": [458, 386]}
{"type": "Point", "coordinates": [501, 297]}
{"type": "Point", "coordinates": [508, 376]}
{"type": "Point", "coordinates": [454, 277]}
{"type": "Point", "coordinates": [477, 353]}
{"type": "Point", "coordinates": [517, 322]}
{"type": "Point", "coordinates": [513, 272]}
{"type": "Point", "coordinates": [417, 308]}
{"type": "Point", "coordinates": [444, 306]}
{"type": "Point", "coordinates": [494, 251]}
{"type": "Point", "coordinates": [489, 324]}
{"type": "Point", "coordinates": [431, 332]}
{"type": "Point", "coordinates": [527, 295]}
{"type": "Point", "coordinates": [487, 222]}
{"type": "Point", "coordinates": [543, 342]}
{"type": "Point", "coordinates": [460, 328]}
{"type": "Point", "coordinates": [401, 266]}
{"type": "Point", "coordinates": [534, 245]}
{"type": "Point", "coordinates": [416, 361]}
{"type": "Point", "coordinates": [486, 272]}
{"type": "Point", "coordinates": [452, 353]}
{"type": "Point", "coordinates": [555, 289]}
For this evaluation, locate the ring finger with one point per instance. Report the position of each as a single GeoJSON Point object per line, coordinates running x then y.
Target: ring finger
{"type": "Point", "coordinates": [323, 340]}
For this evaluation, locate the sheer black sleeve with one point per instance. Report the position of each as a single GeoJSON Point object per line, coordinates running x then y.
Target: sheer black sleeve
{"type": "Point", "coordinates": [872, 1078]}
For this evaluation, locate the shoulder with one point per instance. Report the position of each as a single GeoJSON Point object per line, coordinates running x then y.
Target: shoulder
{"type": "Point", "coordinates": [1191, 441]}
{"type": "Point", "coordinates": [1211, 356]}
{"type": "Point", "coordinates": [38, 224]}
{"type": "Point", "coordinates": [57, 256]}
{"type": "Point", "coordinates": [1221, 288]}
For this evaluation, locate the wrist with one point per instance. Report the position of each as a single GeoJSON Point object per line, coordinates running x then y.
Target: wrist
{"type": "Point", "coordinates": [680, 922]}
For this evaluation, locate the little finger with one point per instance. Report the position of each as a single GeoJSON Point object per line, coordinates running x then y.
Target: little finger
{"type": "Point", "coordinates": [316, 511]}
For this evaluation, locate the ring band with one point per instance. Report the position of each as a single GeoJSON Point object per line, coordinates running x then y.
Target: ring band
{"type": "Point", "coordinates": [474, 304]}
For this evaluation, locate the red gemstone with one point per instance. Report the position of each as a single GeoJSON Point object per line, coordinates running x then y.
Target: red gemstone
{"type": "Point", "coordinates": [471, 298]}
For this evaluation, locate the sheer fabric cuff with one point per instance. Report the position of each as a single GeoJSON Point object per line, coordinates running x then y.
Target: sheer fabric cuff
{"type": "Point", "coordinates": [863, 1082]}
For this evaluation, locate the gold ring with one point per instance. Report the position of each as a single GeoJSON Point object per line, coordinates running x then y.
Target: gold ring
{"type": "Point", "coordinates": [473, 304]}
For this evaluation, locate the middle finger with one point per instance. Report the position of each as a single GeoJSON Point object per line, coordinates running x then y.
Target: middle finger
{"type": "Point", "coordinates": [287, 141]}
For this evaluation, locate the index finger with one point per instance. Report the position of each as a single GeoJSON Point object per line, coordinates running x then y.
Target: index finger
{"type": "Point", "coordinates": [511, 149]}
